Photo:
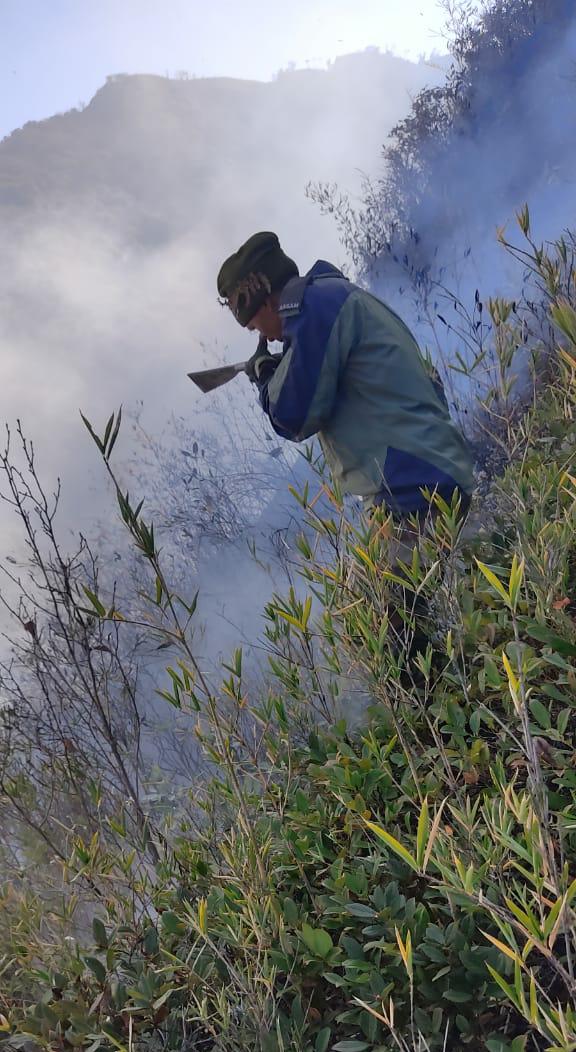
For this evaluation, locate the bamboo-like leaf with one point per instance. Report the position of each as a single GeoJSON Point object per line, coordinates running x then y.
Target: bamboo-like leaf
{"type": "Point", "coordinates": [432, 837]}
{"type": "Point", "coordinates": [564, 317]}
{"type": "Point", "coordinates": [363, 555]}
{"type": "Point", "coordinates": [508, 990]}
{"type": "Point", "coordinates": [162, 999]}
{"type": "Point", "coordinates": [289, 618]}
{"type": "Point", "coordinates": [422, 832]}
{"type": "Point", "coordinates": [570, 359]}
{"type": "Point", "coordinates": [175, 701]}
{"type": "Point", "coordinates": [554, 920]}
{"type": "Point", "coordinates": [306, 611]}
{"type": "Point", "coordinates": [527, 949]}
{"type": "Point", "coordinates": [389, 576]}
{"type": "Point", "coordinates": [98, 606]}
{"type": "Point", "coordinates": [394, 844]}
{"type": "Point", "coordinates": [190, 608]}
{"type": "Point", "coordinates": [515, 581]}
{"type": "Point", "coordinates": [513, 681]}
{"type": "Point", "coordinates": [506, 950]}
{"type": "Point", "coordinates": [90, 429]}
{"type": "Point", "coordinates": [115, 432]}
{"type": "Point", "coordinates": [557, 914]}
{"type": "Point", "coordinates": [571, 892]}
{"type": "Point", "coordinates": [494, 581]}
{"type": "Point", "coordinates": [527, 919]}
{"type": "Point", "coordinates": [175, 677]}
{"type": "Point", "coordinates": [430, 573]}
{"type": "Point", "coordinates": [519, 987]}
{"type": "Point", "coordinates": [523, 217]}
{"type": "Point", "coordinates": [460, 869]}
{"type": "Point", "coordinates": [371, 1009]}
{"type": "Point", "coordinates": [302, 498]}
{"type": "Point", "coordinates": [469, 879]}
{"type": "Point", "coordinates": [107, 431]}
{"type": "Point", "coordinates": [533, 1000]}
{"type": "Point", "coordinates": [187, 676]}
{"type": "Point", "coordinates": [405, 952]}
{"type": "Point", "coordinates": [203, 916]}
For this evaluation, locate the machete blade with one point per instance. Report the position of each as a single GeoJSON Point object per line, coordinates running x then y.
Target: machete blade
{"type": "Point", "coordinates": [209, 379]}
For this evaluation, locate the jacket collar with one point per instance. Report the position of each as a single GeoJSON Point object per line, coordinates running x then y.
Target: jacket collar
{"type": "Point", "coordinates": [322, 269]}
{"type": "Point", "coordinates": [293, 292]}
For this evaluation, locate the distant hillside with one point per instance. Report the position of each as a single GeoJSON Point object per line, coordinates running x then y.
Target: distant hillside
{"type": "Point", "coordinates": [150, 137]}
{"type": "Point", "coordinates": [115, 219]}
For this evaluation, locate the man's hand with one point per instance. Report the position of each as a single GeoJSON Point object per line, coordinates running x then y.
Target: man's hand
{"type": "Point", "coordinates": [261, 365]}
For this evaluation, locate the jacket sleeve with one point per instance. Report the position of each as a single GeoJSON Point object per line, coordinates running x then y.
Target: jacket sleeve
{"type": "Point", "coordinates": [300, 397]}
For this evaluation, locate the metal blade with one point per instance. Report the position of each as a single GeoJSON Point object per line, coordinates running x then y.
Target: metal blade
{"type": "Point", "coordinates": [209, 379]}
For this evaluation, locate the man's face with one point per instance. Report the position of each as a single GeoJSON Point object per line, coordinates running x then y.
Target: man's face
{"type": "Point", "coordinates": [267, 322]}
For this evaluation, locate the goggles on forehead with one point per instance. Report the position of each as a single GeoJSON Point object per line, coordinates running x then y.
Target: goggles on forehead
{"type": "Point", "coordinates": [252, 287]}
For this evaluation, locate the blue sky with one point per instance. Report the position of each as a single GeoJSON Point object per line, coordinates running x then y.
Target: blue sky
{"type": "Point", "coordinates": [54, 54]}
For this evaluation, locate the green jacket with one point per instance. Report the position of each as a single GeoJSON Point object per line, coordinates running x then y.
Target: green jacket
{"type": "Point", "coordinates": [351, 372]}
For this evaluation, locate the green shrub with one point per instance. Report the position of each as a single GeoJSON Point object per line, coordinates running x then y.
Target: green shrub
{"type": "Point", "coordinates": [385, 855]}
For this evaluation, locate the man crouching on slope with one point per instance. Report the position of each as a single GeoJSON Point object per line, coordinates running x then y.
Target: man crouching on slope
{"type": "Point", "coordinates": [350, 372]}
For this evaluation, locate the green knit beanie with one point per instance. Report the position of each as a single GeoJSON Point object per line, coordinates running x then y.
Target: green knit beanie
{"type": "Point", "coordinates": [256, 270]}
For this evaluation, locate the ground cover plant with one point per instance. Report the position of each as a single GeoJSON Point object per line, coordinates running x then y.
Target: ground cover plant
{"type": "Point", "coordinates": [380, 850]}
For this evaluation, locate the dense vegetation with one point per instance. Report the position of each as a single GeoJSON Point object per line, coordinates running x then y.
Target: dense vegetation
{"type": "Point", "coordinates": [380, 851]}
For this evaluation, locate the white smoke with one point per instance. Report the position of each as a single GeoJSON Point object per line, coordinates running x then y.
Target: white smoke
{"type": "Point", "coordinates": [115, 222]}
{"type": "Point", "coordinates": [517, 147]}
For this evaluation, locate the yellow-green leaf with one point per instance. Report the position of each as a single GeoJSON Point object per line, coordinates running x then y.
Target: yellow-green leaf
{"type": "Point", "coordinates": [508, 990]}
{"type": "Point", "coordinates": [432, 836]}
{"type": "Point", "coordinates": [288, 617]}
{"type": "Point", "coordinates": [405, 951]}
{"type": "Point", "coordinates": [363, 555]}
{"type": "Point", "coordinates": [506, 950]}
{"type": "Point", "coordinates": [203, 916]}
{"type": "Point", "coordinates": [394, 844]}
{"type": "Point", "coordinates": [422, 832]}
{"type": "Point", "coordinates": [494, 581]}
{"type": "Point", "coordinates": [533, 1000]}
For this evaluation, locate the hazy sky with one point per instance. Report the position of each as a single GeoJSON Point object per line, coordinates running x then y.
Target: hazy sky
{"type": "Point", "coordinates": [55, 54]}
